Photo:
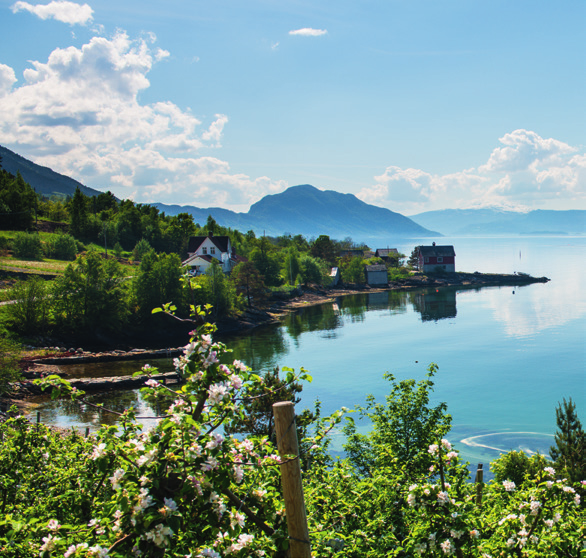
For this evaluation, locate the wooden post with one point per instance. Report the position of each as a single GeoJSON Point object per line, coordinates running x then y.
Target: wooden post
{"type": "Point", "coordinates": [87, 431]}
{"type": "Point", "coordinates": [299, 545]}
{"type": "Point", "coordinates": [479, 484]}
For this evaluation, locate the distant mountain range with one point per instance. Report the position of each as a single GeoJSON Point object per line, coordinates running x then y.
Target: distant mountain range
{"type": "Point", "coordinates": [470, 222]}
{"type": "Point", "coordinates": [308, 211]}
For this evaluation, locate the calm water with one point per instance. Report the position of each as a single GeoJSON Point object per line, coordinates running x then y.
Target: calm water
{"type": "Point", "coordinates": [506, 355]}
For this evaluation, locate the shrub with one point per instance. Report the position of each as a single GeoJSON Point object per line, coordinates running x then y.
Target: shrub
{"type": "Point", "coordinates": [517, 466]}
{"type": "Point", "coordinates": [27, 246]}
{"type": "Point", "coordinates": [9, 372]}
{"type": "Point", "coordinates": [61, 247]}
{"type": "Point", "coordinates": [141, 249]}
{"type": "Point", "coordinates": [30, 311]}
{"type": "Point", "coordinates": [118, 249]}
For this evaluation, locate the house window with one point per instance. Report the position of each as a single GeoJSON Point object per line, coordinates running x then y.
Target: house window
{"type": "Point", "coordinates": [440, 259]}
{"type": "Point", "coordinates": [426, 259]}
{"type": "Point", "coordinates": [212, 250]}
{"type": "Point", "coordinates": [204, 250]}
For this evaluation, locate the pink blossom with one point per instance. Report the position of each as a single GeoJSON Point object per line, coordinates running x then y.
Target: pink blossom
{"type": "Point", "coordinates": [240, 366]}
{"type": "Point", "coordinates": [447, 547]}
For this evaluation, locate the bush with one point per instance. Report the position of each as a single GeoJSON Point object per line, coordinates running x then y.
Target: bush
{"type": "Point", "coordinates": [61, 247]}
{"type": "Point", "coordinates": [9, 372]}
{"type": "Point", "coordinates": [30, 311]}
{"type": "Point", "coordinates": [141, 249]}
{"type": "Point", "coordinates": [118, 249]}
{"type": "Point", "coordinates": [27, 246]}
{"type": "Point", "coordinates": [518, 467]}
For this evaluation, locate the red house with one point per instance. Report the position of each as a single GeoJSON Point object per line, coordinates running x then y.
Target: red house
{"type": "Point", "coordinates": [436, 258]}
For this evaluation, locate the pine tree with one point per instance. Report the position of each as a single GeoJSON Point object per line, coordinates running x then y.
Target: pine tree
{"type": "Point", "coordinates": [569, 453]}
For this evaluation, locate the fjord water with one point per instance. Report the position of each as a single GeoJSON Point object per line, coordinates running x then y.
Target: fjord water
{"type": "Point", "coordinates": [506, 355]}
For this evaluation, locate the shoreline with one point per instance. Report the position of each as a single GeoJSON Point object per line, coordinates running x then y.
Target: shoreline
{"type": "Point", "coordinates": [37, 367]}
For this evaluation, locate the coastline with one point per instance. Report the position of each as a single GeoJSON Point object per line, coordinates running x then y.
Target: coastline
{"type": "Point", "coordinates": [37, 367]}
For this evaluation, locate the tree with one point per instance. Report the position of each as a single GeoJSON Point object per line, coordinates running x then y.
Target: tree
{"type": "Point", "coordinates": [141, 248]}
{"type": "Point", "coordinates": [291, 266]}
{"type": "Point", "coordinates": [29, 313]}
{"type": "Point", "coordinates": [352, 269]}
{"type": "Point", "coordinates": [569, 452]}
{"type": "Point", "coordinates": [17, 202]}
{"type": "Point", "coordinates": [9, 356]}
{"type": "Point", "coordinates": [403, 428]}
{"type": "Point", "coordinates": [322, 247]}
{"type": "Point", "coordinates": [413, 260]}
{"type": "Point", "coordinates": [218, 291]}
{"type": "Point", "coordinates": [211, 226]}
{"type": "Point", "coordinates": [248, 281]}
{"type": "Point", "coordinates": [91, 294]}
{"type": "Point", "coordinates": [180, 228]}
{"type": "Point", "coordinates": [310, 270]}
{"type": "Point", "coordinates": [78, 213]}
{"type": "Point", "coordinates": [158, 282]}
{"type": "Point", "coordinates": [265, 261]}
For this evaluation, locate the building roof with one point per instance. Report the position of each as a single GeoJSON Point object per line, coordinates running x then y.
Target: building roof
{"type": "Point", "coordinates": [441, 251]}
{"type": "Point", "coordinates": [195, 257]}
{"type": "Point", "coordinates": [385, 252]}
{"type": "Point", "coordinates": [352, 252]}
{"type": "Point", "coordinates": [221, 242]}
{"type": "Point", "coordinates": [238, 259]}
{"type": "Point", "coordinates": [377, 267]}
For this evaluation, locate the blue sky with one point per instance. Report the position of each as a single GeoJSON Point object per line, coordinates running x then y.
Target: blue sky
{"type": "Point", "coordinates": [412, 105]}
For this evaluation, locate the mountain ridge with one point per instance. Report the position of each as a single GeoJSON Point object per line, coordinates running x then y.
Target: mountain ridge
{"type": "Point", "coordinates": [307, 210]}
{"type": "Point", "coordinates": [44, 180]}
{"type": "Point", "coordinates": [491, 221]}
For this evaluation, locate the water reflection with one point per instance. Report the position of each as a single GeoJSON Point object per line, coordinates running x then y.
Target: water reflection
{"type": "Point", "coordinates": [436, 304]}
{"type": "Point", "coordinates": [66, 413]}
{"type": "Point", "coordinates": [113, 368]}
{"type": "Point", "coordinates": [264, 347]}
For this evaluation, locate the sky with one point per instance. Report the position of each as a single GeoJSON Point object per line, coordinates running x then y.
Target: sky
{"type": "Point", "coordinates": [412, 105]}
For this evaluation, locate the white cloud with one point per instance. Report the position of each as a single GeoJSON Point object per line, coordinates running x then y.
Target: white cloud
{"type": "Point", "coordinates": [61, 10]}
{"type": "Point", "coordinates": [308, 32]}
{"type": "Point", "coordinates": [79, 114]}
{"type": "Point", "coordinates": [529, 171]}
{"type": "Point", "coordinates": [7, 79]}
{"type": "Point", "coordinates": [523, 149]}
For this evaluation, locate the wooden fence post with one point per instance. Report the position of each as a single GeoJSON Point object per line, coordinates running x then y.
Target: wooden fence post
{"type": "Point", "coordinates": [299, 545]}
{"type": "Point", "coordinates": [479, 484]}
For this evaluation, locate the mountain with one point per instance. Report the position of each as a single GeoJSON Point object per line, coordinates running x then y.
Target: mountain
{"type": "Point", "coordinates": [308, 211]}
{"type": "Point", "coordinates": [464, 222]}
{"type": "Point", "coordinates": [44, 180]}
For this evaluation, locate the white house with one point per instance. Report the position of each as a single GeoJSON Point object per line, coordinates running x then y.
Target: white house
{"type": "Point", "coordinates": [202, 250]}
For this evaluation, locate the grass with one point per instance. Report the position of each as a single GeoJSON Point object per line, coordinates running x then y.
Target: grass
{"type": "Point", "coordinates": [31, 266]}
